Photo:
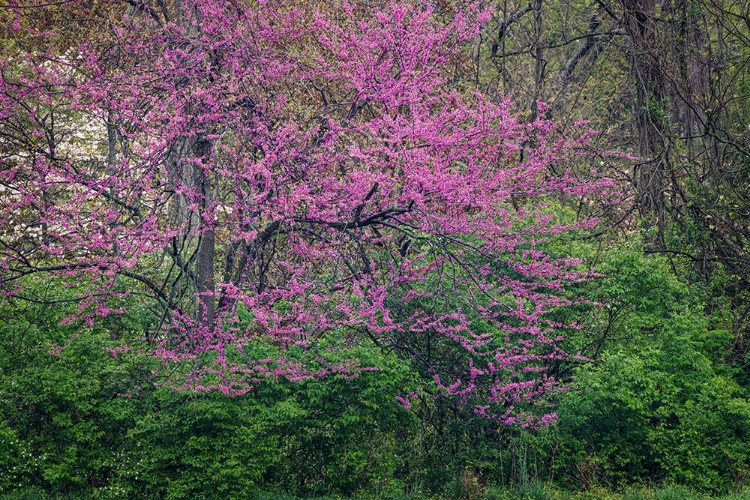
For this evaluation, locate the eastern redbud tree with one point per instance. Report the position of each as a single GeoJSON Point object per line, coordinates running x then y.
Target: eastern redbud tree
{"type": "Point", "coordinates": [278, 174]}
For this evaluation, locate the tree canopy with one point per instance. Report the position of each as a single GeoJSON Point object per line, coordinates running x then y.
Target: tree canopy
{"type": "Point", "coordinates": [280, 173]}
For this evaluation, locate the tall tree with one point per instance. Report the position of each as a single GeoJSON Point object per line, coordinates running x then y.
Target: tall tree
{"type": "Point", "coordinates": [272, 173]}
{"type": "Point", "coordinates": [669, 82]}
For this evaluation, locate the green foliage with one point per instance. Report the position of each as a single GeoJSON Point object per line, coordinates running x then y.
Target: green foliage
{"type": "Point", "coordinates": [657, 404]}
{"type": "Point", "coordinates": [343, 435]}
{"type": "Point", "coordinates": [61, 411]}
{"type": "Point", "coordinates": [197, 446]}
{"type": "Point", "coordinates": [83, 423]}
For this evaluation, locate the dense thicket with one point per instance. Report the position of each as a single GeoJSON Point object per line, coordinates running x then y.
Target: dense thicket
{"type": "Point", "coordinates": [668, 81]}
{"type": "Point", "coordinates": [656, 374]}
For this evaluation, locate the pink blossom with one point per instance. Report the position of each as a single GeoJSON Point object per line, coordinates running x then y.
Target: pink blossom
{"type": "Point", "coordinates": [276, 176]}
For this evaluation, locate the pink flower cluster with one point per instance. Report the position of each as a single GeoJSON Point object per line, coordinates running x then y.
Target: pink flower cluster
{"type": "Point", "coordinates": [274, 175]}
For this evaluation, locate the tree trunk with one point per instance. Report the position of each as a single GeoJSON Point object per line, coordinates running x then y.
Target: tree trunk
{"type": "Point", "coordinates": [638, 19]}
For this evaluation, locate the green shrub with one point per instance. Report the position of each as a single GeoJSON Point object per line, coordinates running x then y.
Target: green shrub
{"type": "Point", "coordinates": [657, 404]}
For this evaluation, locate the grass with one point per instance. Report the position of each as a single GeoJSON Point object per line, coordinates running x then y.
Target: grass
{"type": "Point", "coordinates": [538, 492]}
{"type": "Point", "coordinates": [663, 493]}
{"type": "Point", "coordinates": [532, 492]}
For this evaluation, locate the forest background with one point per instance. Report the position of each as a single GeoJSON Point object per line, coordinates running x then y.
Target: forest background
{"type": "Point", "coordinates": [657, 372]}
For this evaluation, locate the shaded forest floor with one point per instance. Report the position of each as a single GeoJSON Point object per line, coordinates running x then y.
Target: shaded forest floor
{"type": "Point", "coordinates": [489, 493]}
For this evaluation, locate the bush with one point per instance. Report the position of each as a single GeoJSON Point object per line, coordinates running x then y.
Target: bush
{"type": "Point", "coordinates": [657, 404]}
